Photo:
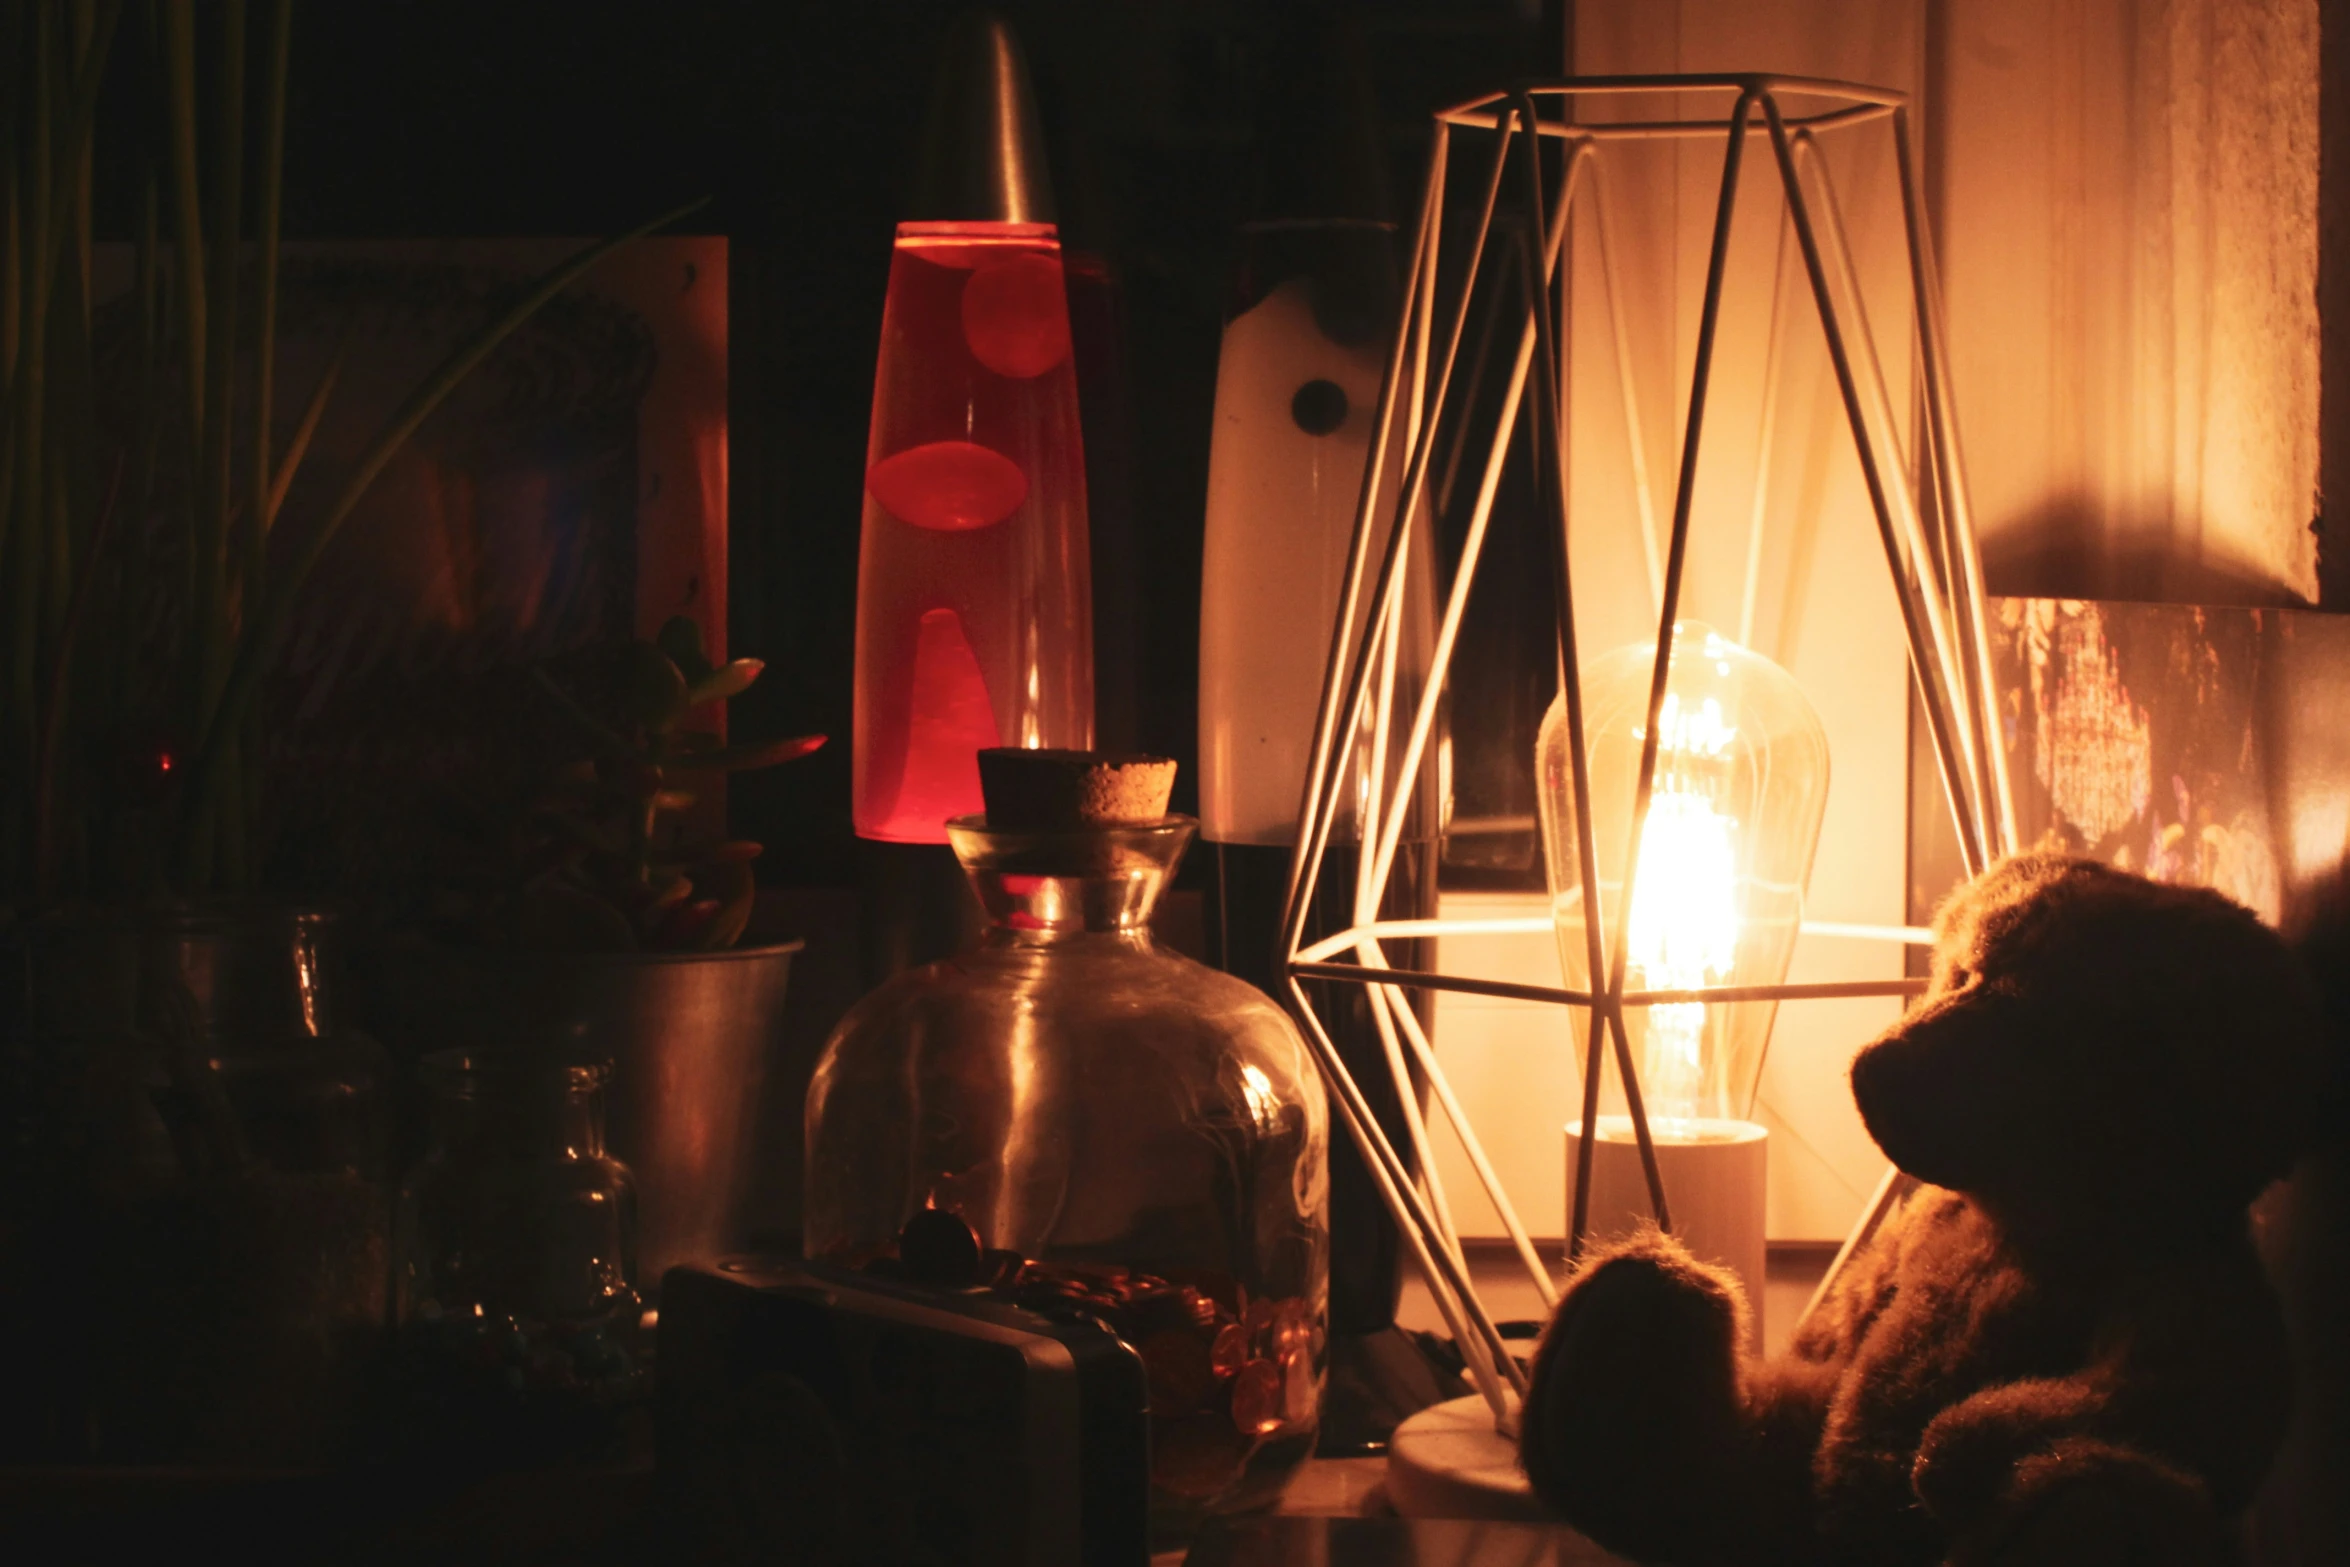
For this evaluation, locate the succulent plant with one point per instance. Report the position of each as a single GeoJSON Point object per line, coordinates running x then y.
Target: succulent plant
{"type": "Point", "coordinates": [616, 869]}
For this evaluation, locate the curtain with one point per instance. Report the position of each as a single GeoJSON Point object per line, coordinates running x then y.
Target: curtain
{"type": "Point", "coordinates": [2126, 203]}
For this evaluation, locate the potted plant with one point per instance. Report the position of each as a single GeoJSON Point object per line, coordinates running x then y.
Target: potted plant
{"type": "Point", "coordinates": [178, 1179]}
{"type": "Point", "coordinates": [610, 920]}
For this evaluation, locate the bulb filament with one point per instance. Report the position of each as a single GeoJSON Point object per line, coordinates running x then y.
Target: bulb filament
{"type": "Point", "coordinates": [1684, 918]}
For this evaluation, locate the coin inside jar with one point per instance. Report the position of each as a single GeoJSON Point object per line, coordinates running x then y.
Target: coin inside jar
{"type": "Point", "coordinates": [1230, 1351]}
{"type": "Point", "coordinates": [1097, 1272]}
{"type": "Point", "coordinates": [1200, 1308]}
{"type": "Point", "coordinates": [1257, 1399]}
{"type": "Point", "coordinates": [1297, 1386]}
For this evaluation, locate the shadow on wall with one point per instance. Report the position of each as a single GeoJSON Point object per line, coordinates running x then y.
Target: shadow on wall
{"type": "Point", "coordinates": [2072, 550]}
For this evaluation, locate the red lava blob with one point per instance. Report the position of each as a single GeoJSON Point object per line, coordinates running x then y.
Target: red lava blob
{"type": "Point", "coordinates": [951, 722]}
{"type": "Point", "coordinates": [1016, 316]}
{"type": "Point", "coordinates": [951, 486]}
{"type": "Point", "coordinates": [1023, 887]}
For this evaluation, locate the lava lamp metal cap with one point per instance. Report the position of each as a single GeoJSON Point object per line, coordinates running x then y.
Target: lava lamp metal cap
{"type": "Point", "coordinates": [982, 151]}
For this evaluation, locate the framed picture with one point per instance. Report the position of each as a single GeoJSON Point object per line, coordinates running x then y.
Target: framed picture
{"type": "Point", "coordinates": [571, 493]}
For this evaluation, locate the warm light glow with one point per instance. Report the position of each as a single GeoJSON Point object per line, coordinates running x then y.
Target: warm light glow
{"type": "Point", "coordinates": [1684, 934]}
{"type": "Point", "coordinates": [1264, 1105]}
{"type": "Point", "coordinates": [1739, 782]}
{"type": "Point", "coordinates": [1684, 930]}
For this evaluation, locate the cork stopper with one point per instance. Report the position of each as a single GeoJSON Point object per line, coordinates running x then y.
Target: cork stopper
{"type": "Point", "coordinates": [1031, 790]}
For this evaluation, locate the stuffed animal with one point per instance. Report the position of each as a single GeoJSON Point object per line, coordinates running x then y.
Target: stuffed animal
{"type": "Point", "coordinates": [2062, 1348]}
{"type": "Point", "coordinates": [2302, 1516]}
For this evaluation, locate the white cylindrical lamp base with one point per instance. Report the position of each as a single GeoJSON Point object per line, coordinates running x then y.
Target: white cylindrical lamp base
{"type": "Point", "coordinates": [1451, 1460]}
{"type": "Point", "coordinates": [1713, 1172]}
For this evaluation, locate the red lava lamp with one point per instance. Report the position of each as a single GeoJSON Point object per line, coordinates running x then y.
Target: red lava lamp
{"type": "Point", "coordinates": [974, 617]}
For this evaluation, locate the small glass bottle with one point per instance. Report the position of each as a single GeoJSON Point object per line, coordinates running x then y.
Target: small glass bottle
{"type": "Point", "coordinates": [516, 1270]}
{"type": "Point", "coordinates": [1134, 1126]}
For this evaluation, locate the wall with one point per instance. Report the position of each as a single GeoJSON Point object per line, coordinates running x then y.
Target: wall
{"type": "Point", "coordinates": [2128, 205]}
{"type": "Point", "coordinates": [2125, 198]}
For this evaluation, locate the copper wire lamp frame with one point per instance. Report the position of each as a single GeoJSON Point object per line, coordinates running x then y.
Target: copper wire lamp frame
{"type": "Point", "coordinates": [1930, 553]}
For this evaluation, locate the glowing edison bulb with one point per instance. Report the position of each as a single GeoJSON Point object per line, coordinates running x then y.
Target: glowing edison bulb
{"type": "Point", "coordinates": [1739, 787]}
{"type": "Point", "coordinates": [1684, 921]}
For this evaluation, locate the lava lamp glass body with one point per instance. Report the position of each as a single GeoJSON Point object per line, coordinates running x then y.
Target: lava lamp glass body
{"type": "Point", "coordinates": [974, 621]}
{"type": "Point", "coordinates": [1740, 785]}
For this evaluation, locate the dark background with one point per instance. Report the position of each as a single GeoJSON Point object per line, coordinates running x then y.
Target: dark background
{"type": "Point", "coordinates": [800, 120]}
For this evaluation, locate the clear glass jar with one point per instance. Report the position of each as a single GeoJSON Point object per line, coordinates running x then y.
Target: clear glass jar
{"type": "Point", "coordinates": [1081, 1098]}
{"type": "Point", "coordinates": [292, 1087]}
{"type": "Point", "coordinates": [516, 1272]}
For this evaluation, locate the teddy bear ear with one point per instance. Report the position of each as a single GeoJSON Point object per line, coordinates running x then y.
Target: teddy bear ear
{"type": "Point", "coordinates": [1997, 906]}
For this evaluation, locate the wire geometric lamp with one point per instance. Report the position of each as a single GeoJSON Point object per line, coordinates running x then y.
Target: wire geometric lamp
{"type": "Point", "coordinates": [1534, 160]}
